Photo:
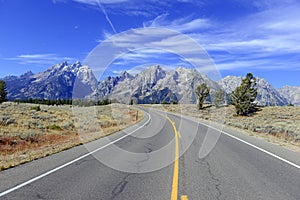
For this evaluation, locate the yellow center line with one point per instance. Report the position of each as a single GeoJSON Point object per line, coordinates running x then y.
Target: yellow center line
{"type": "Point", "coordinates": [184, 197]}
{"type": "Point", "coordinates": [179, 134]}
{"type": "Point", "coordinates": [174, 194]}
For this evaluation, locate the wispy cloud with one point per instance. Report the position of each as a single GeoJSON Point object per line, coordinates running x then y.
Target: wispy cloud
{"type": "Point", "coordinates": [185, 24]}
{"type": "Point", "coordinates": [255, 41]}
{"type": "Point", "coordinates": [41, 59]}
{"type": "Point", "coordinates": [129, 7]}
{"type": "Point", "coordinates": [95, 2]}
{"type": "Point", "coordinates": [147, 46]}
{"type": "Point", "coordinates": [106, 15]}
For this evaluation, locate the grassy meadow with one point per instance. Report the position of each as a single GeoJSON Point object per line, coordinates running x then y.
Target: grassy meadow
{"type": "Point", "coordinates": [30, 131]}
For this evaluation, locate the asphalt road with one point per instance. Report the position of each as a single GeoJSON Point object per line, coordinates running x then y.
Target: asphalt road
{"type": "Point", "coordinates": [144, 165]}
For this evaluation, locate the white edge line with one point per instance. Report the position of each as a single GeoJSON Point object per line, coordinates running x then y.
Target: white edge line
{"type": "Point", "coordinates": [71, 162]}
{"type": "Point", "coordinates": [243, 141]}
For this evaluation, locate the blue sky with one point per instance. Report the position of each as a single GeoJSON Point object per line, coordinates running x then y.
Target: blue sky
{"type": "Point", "coordinates": [262, 37]}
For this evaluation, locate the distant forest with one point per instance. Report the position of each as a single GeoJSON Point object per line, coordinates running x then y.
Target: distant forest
{"type": "Point", "coordinates": [57, 102]}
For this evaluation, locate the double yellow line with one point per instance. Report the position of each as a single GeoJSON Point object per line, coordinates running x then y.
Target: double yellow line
{"type": "Point", "coordinates": [174, 193]}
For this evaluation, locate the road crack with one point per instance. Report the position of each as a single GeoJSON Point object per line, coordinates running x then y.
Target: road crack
{"type": "Point", "coordinates": [213, 177]}
{"type": "Point", "coordinates": [147, 151]}
{"type": "Point", "coordinates": [39, 196]}
{"type": "Point", "coordinates": [119, 187]}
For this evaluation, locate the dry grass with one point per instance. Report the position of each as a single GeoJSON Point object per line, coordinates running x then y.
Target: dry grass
{"type": "Point", "coordinates": [28, 133]}
{"type": "Point", "coordinates": [277, 124]}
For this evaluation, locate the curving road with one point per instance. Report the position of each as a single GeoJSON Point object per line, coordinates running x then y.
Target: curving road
{"type": "Point", "coordinates": [141, 163]}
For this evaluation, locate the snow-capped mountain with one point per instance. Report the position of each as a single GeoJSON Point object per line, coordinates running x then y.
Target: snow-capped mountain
{"type": "Point", "coordinates": [154, 84]}
{"type": "Point", "coordinates": [266, 94]}
{"type": "Point", "coordinates": [291, 93]}
{"type": "Point", "coordinates": [56, 82]}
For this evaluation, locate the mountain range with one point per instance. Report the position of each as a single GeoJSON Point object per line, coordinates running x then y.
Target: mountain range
{"type": "Point", "coordinates": [152, 85]}
{"type": "Point", "coordinates": [56, 82]}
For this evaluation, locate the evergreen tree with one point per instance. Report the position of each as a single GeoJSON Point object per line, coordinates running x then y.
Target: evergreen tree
{"type": "Point", "coordinates": [243, 97]}
{"type": "Point", "coordinates": [202, 91]}
{"type": "Point", "coordinates": [3, 91]}
{"type": "Point", "coordinates": [219, 98]}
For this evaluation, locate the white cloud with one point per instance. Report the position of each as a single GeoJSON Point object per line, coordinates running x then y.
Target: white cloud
{"type": "Point", "coordinates": [256, 41]}
{"type": "Point", "coordinates": [42, 59]}
{"type": "Point", "coordinates": [96, 2]}
{"type": "Point", "coordinates": [184, 24]}
{"type": "Point", "coordinates": [253, 41]}
{"type": "Point", "coordinates": [127, 7]}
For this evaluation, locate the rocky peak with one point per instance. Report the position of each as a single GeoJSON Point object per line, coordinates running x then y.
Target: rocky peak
{"type": "Point", "coordinates": [152, 74]}
{"type": "Point", "coordinates": [181, 69]}
{"type": "Point", "coordinates": [291, 93]}
{"type": "Point", "coordinates": [76, 65]}
{"type": "Point", "coordinates": [27, 74]}
{"type": "Point", "coordinates": [125, 75]}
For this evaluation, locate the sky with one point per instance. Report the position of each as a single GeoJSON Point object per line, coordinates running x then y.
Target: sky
{"type": "Point", "coordinates": [236, 36]}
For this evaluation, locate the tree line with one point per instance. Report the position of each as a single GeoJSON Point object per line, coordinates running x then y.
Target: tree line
{"type": "Point", "coordinates": [58, 102]}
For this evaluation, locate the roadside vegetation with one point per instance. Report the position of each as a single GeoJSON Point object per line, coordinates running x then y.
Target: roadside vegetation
{"type": "Point", "coordinates": [202, 92]}
{"type": "Point", "coordinates": [3, 91]}
{"type": "Point", "coordinates": [243, 96]}
{"type": "Point", "coordinates": [59, 102]}
{"type": "Point", "coordinates": [270, 123]}
{"type": "Point", "coordinates": [31, 131]}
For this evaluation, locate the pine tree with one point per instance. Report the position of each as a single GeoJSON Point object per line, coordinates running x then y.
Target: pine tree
{"type": "Point", "coordinates": [3, 91]}
{"type": "Point", "coordinates": [243, 97]}
{"type": "Point", "coordinates": [202, 91]}
{"type": "Point", "coordinates": [219, 98]}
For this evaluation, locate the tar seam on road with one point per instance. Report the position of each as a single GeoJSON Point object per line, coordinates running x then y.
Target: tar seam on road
{"type": "Point", "coordinates": [71, 162]}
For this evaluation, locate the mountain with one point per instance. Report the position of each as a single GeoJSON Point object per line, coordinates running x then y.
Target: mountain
{"type": "Point", "coordinates": [266, 94]}
{"type": "Point", "coordinates": [56, 82]}
{"type": "Point", "coordinates": [154, 84]}
{"type": "Point", "coordinates": [291, 93]}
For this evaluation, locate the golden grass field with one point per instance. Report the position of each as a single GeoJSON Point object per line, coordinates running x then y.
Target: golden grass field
{"type": "Point", "coordinates": [275, 124]}
{"type": "Point", "coordinates": [27, 133]}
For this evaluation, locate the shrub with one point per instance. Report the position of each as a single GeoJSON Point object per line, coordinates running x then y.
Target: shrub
{"type": "Point", "coordinates": [36, 108]}
{"type": "Point", "coordinates": [54, 127]}
{"type": "Point", "coordinates": [30, 137]}
{"type": "Point", "coordinates": [5, 121]}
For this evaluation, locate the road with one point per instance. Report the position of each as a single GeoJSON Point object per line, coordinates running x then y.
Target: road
{"type": "Point", "coordinates": [144, 165]}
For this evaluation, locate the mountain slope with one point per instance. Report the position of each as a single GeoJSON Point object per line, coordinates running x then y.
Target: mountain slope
{"type": "Point", "coordinates": [292, 94]}
{"type": "Point", "coordinates": [154, 84]}
{"type": "Point", "coordinates": [56, 82]}
{"type": "Point", "coordinates": [266, 94]}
